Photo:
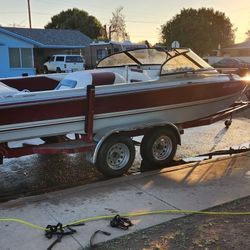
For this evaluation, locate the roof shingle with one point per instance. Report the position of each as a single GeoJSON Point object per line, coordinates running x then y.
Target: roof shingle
{"type": "Point", "coordinates": [52, 37]}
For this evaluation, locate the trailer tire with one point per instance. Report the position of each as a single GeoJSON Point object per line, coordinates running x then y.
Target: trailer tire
{"type": "Point", "coordinates": [116, 155]}
{"type": "Point", "coordinates": [158, 147]}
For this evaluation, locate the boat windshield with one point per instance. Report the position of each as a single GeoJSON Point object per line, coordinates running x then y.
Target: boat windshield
{"type": "Point", "coordinates": [134, 57]}
{"type": "Point", "coordinates": [172, 61]}
{"type": "Point", "coordinates": [183, 60]}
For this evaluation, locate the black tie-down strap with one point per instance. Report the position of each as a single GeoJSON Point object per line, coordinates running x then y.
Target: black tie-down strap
{"type": "Point", "coordinates": [59, 230]}
{"type": "Point", "coordinates": [121, 222]}
{"type": "Point", "coordinates": [92, 245]}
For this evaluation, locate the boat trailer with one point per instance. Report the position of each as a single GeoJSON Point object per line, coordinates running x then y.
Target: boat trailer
{"type": "Point", "coordinates": [113, 149]}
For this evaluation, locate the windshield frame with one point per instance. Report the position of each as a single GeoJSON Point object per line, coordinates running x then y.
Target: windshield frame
{"type": "Point", "coordinates": [185, 54]}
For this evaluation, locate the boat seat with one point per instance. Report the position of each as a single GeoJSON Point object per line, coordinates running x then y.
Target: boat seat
{"type": "Point", "coordinates": [107, 78]}
{"type": "Point", "coordinates": [81, 79]}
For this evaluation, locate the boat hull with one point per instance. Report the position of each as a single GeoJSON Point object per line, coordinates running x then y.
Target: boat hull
{"type": "Point", "coordinates": [124, 107]}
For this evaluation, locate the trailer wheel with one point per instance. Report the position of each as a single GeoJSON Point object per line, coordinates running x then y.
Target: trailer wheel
{"type": "Point", "coordinates": [116, 155]}
{"type": "Point", "coordinates": [158, 147]}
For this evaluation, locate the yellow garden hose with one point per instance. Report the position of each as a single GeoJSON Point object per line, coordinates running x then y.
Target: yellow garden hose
{"type": "Point", "coordinates": [102, 217]}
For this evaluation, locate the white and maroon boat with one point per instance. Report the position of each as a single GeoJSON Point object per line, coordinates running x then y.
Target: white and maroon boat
{"type": "Point", "coordinates": [132, 88]}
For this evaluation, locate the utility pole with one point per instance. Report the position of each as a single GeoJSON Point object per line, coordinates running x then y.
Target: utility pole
{"type": "Point", "coordinates": [29, 13]}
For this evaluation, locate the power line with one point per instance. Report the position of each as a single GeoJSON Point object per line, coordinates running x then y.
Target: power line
{"type": "Point", "coordinates": [41, 13]}
{"type": "Point", "coordinates": [12, 12]}
{"type": "Point", "coordinates": [76, 3]}
{"type": "Point", "coordinates": [51, 14]}
{"type": "Point", "coordinates": [135, 21]}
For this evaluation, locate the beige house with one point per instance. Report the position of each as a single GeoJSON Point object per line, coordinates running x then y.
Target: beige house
{"type": "Point", "coordinates": [236, 50]}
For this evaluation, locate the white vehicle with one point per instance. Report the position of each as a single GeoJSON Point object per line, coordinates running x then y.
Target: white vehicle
{"type": "Point", "coordinates": [64, 63]}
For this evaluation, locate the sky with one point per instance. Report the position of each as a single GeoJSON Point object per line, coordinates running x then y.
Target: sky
{"type": "Point", "coordinates": [143, 17]}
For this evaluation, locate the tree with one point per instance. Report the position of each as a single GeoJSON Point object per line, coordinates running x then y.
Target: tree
{"type": "Point", "coordinates": [78, 20]}
{"type": "Point", "coordinates": [202, 30]}
{"type": "Point", "coordinates": [117, 29]}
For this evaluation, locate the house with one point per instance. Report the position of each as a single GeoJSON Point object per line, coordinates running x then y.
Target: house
{"type": "Point", "coordinates": [100, 49]}
{"type": "Point", "coordinates": [237, 50]}
{"type": "Point", "coordinates": [23, 51]}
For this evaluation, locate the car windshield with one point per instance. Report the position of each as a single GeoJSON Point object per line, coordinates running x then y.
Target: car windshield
{"type": "Point", "coordinates": [73, 59]}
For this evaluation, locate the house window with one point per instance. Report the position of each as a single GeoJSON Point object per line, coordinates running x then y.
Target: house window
{"type": "Point", "coordinates": [20, 58]}
{"type": "Point", "coordinates": [26, 58]}
{"type": "Point", "coordinates": [101, 53]}
{"type": "Point", "coordinates": [14, 55]}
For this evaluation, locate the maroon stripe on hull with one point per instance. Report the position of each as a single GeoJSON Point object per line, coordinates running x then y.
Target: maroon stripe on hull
{"type": "Point", "coordinates": [168, 96]}
{"type": "Point", "coordinates": [43, 111]}
{"type": "Point", "coordinates": [46, 110]}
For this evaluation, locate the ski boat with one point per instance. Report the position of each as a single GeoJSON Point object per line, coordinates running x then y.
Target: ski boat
{"type": "Point", "coordinates": [131, 88]}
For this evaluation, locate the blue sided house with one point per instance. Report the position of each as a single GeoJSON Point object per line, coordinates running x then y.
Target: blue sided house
{"type": "Point", "coordinates": [23, 51]}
